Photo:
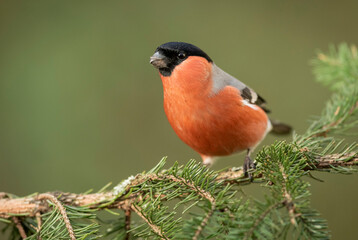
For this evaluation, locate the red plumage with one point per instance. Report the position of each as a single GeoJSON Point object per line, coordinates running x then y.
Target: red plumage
{"type": "Point", "coordinates": [212, 124]}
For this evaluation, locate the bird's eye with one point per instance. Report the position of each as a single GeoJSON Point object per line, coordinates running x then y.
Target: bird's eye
{"type": "Point", "coordinates": [181, 55]}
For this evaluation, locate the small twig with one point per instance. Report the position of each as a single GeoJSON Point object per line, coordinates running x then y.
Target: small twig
{"type": "Point", "coordinates": [3, 195]}
{"type": "Point", "coordinates": [200, 191]}
{"type": "Point", "coordinates": [328, 161]}
{"type": "Point", "coordinates": [203, 194]}
{"type": "Point", "coordinates": [61, 208]}
{"type": "Point", "coordinates": [288, 199]}
{"type": "Point", "coordinates": [204, 222]}
{"type": "Point", "coordinates": [128, 214]}
{"type": "Point", "coordinates": [155, 228]}
{"type": "Point", "coordinates": [232, 175]}
{"type": "Point", "coordinates": [262, 216]}
{"type": "Point", "coordinates": [325, 129]}
{"type": "Point", "coordinates": [39, 224]}
{"type": "Point", "coordinates": [315, 178]}
{"type": "Point", "coordinates": [19, 227]}
{"type": "Point", "coordinates": [16, 220]}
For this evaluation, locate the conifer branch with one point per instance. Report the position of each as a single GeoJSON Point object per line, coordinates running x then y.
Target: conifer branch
{"type": "Point", "coordinates": [30, 206]}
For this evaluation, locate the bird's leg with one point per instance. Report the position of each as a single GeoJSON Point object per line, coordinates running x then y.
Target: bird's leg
{"type": "Point", "coordinates": [248, 164]}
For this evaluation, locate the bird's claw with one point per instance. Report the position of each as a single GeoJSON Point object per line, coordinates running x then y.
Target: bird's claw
{"type": "Point", "coordinates": [248, 165]}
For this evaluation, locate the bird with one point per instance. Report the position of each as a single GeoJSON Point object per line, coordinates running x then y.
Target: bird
{"type": "Point", "coordinates": [210, 110]}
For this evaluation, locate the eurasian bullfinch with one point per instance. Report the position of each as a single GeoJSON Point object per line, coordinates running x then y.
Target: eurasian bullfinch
{"type": "Point", "coordinates": [210, 110]}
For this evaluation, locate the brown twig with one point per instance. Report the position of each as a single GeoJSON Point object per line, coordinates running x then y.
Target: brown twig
{"type": "Point", "coordinates": [39, 224]}
{"type": "Point", "coordinates": [19, 227]}
{"type": "Point", "coordinates": [323, 132]}
{"type": "Point", "coordinates": [3, 195]}
{"type": "Point", "coordinates": [334, 160]}
{"type": "Point", "coordinates": [16, 220]}
{"type": "Point", "coordinates": [288, 199]}
{"type": "Point", "coordinates": [233, 176]}
{"type": "Point", "coordinates": [201, 192]}
{"type": "Point", "coordinates": [182, 181]}
{"type": "Point", "coordinates": [128, 214]}
{"type": "Point", "coordinates": [61, 208]}
{"type": "Point", "coordinates": [204, 222]}
{"type": "Point", "coordinates": [154, 227]}
{"type": "Point", "coordinates": [262, 216]}
{"type": "Point", "coordinates": [29, 206]}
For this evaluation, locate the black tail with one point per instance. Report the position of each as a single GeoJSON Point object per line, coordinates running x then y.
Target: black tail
{"type": "Point", "coordinates": [280, 128]}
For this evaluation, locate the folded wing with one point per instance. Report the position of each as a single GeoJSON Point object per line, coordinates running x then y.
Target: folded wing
{"type": "Point", "coordinates": [222, 79]}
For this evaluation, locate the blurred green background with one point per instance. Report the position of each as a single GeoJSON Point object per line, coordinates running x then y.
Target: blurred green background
{"type": "Point", "coordinates": [81, 106]}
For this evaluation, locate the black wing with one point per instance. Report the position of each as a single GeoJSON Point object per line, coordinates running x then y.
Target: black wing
{"type": "Point", "coordinates": [252, 97]}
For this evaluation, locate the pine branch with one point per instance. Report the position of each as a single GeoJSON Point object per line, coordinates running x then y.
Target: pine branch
{"type": "Point", "coordinates": [29, 206]}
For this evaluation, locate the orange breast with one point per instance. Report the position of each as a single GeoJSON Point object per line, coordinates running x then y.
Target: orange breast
{"type": "Point", "coordinates": [213, 125]}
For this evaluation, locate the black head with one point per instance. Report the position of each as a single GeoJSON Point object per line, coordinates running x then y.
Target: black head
{"type": "Point", "coordinates": [168, 55]}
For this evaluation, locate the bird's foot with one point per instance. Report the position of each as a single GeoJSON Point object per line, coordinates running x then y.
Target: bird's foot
{"type": "Point", "coordinates": [248, 165]}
